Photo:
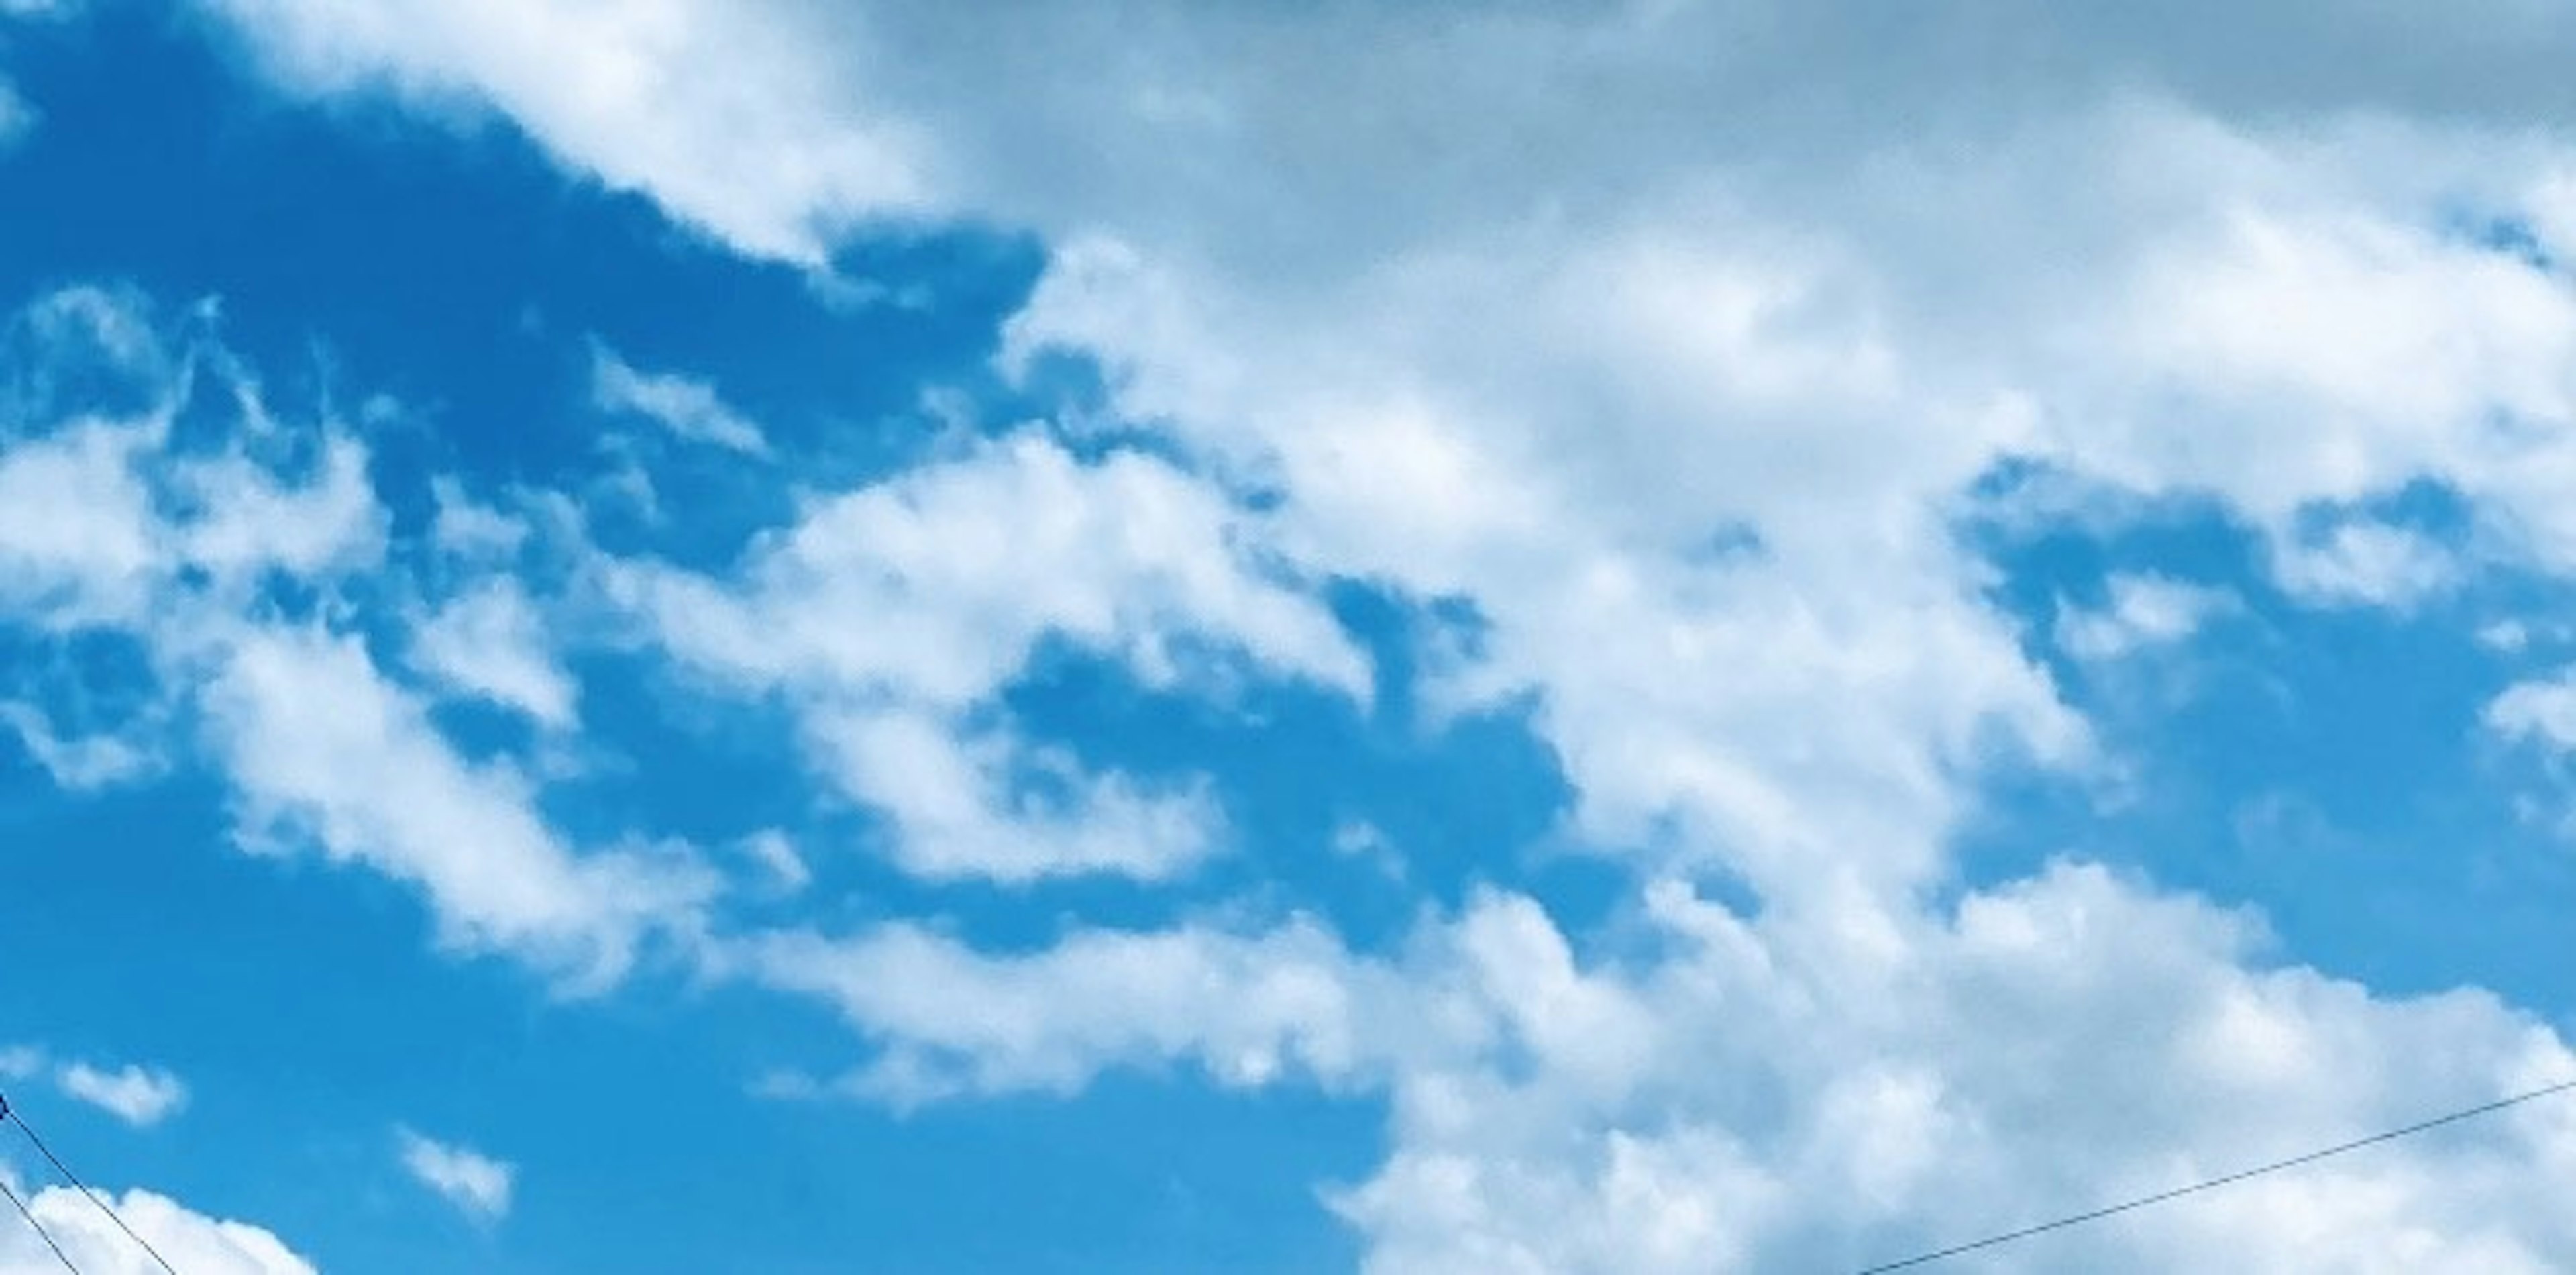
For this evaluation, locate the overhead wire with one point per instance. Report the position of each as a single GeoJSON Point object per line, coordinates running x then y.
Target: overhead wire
{"type": "Point", "coordinates": [41, 1232]}
{"type": "Point", "coordinates": [2211, 1184]}
{"type": "Point", "coordinates": [11, 1114]}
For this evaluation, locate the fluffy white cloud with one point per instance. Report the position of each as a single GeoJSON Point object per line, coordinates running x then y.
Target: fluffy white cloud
{"type": "Point", "coordinates": [686, 406]}
{"type": "Point", "coordinates": [136, 1095]}
{"type": "Point", "coordinates": [892, 616]}
{"type": "Point", "coordinates": [772, 155]}
{"type": "Point", "coordinates": [2540, 711]}
{"type": "Point", "coordinates": [1801, 1104]}
{"type": "Point", "coordinates": [188, 1240]}
{"type": "Point", "coordinates": [478, 1185]}
{"type": "Point", "coordinates": [1670, 594]}
{"type": "Point", "coordinates": [77, 538]}
{"type": "Point", "coordinates": [320, 743]}
{"type": "Point", "coordinates": [1775, 1093]}
{"type": "Point", "coordinates": [936, 587]}
{"type": "Point", "coordinates": [248, 522]}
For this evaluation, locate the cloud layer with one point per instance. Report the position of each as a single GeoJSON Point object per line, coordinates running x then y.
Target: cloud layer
{"type": "Point", "coordinates": [1672, 345]}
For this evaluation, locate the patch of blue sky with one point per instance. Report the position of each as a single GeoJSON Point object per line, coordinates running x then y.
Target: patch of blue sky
{"type": "Point", "coordinates": [454, 271]}
{"type": "Point", "coordinates": [2325, 764]}
{"type": "Point", "coordinates": [2512, 236]}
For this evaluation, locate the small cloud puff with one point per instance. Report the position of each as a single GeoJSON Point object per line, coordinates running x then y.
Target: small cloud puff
{"type": "Point", "coordinates": [478, 1185]}
{"type": "Point", "coordinates": [2143, 611]}
{"type": "Point", "coordinates": [139, 1096]}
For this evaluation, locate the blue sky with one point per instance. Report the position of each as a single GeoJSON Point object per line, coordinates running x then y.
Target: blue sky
{"type": "Point", "coordinates": [680, 636]}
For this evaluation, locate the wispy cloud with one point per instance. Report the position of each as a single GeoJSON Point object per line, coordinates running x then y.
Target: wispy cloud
{"type": "Point", "coordinates": [478, 1185]}
{"type": "Point", "coordinates": [2143, 611]}
{"type": "Point", "coordinates": [139, 1096]}
{"type": "Point", "coordinates": [21, 1062]}
{"type": "Point", "coordinates": [17, 118]}
{"type": "Point", "coordinates": [688, 407]}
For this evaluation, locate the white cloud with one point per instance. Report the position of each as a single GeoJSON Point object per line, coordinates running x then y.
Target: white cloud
{"type": "Point", "coordinates": [936, 586]}
{"type": "Point", "coordinates": [489, 641]}
{"type": "Point", "coordinates": [1755, 1129]}
{"type": "Point", "coordinates": [2540, 711]}
{"type": "Point", "coordinates": [478, 1185]}
{"type": "Point", "coordinates": [956, 1021]}
{"type": "Point", "coordinates": [2366, 564]}
{"type": "Point", "coordinates": [988, 805]}
{"type": "Point", "coordinates": [686, 406]}
{"type": "Point", "coordinates": [1775, 1093]}
{"type": "Point", "coordinates": [1364, 841]}
{"type": "Point", "coordinates": [2506, 637]}
{"type": "Point", "coordinates": [2144, 611]}
{"type": "Point", "coordinates": [773, 155]}
{"type": "Point", "coordinates": [320, 743]}
{"type": "Point", "coordinates": [893, 615]}
{"type": "Point", "coordinates": [250, 522]}
{"type": "Point", "coordinates": [2399, 343]}
{"type": "Point", "coordinates": [107, 528]}
{"type": "Point", "coordinates": [776, 854]}
{"type": "Point", "coordinates": [139, 1096]}
{"type": "Point", "coordinates": [77, 535]}
{"type": "Point", "coordinates": [1541, 481]}
{"type": "Point", "coordinates": [1531, 421]}
{"type": "Point", "coordinates": [82, 763]}
{"type": "Point", "coordinates": [189, 1240]}
{"type": "Point", "coordinates": [471, 530]}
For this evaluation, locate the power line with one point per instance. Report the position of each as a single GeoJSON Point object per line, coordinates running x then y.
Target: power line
{"type": "Point", "coordinates": [29, 1214]}
{"type": "Point", "coordinates": [2214, 1183]}
{"type": "Point", "coordinates": [11, 1114]}
{"type": "Point", "coordinates": [41, 1233]}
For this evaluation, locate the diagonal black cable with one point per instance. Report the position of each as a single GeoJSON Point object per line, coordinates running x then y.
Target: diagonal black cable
{"type": "Point", "coordinates": [11, 1114]}
{"type": "Point", "coordinates": [2214, 1183]}
{"type": "Point", "coordinates": [41, 1232]}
